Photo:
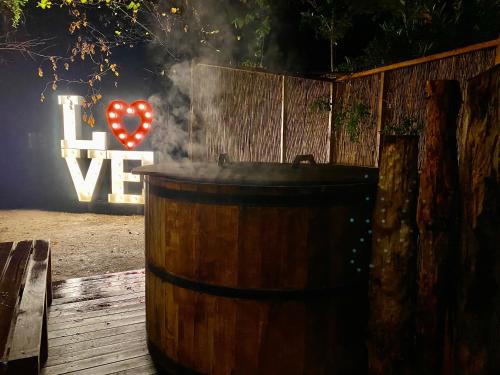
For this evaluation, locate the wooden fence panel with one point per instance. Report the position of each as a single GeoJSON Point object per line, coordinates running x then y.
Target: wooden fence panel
{"type": "Point", "coordinates": [236, 112]}
{"type": "Point", "coordinates": [346, 95]}
{"type": "Point", "coordinates": [405, 87]}
{"type": "Point", "coordinates": [248, 115]}
{"type": "Point", "coordinates": [307, 129]}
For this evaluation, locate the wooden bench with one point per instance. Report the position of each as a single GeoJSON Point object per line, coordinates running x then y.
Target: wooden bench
{"type": "Point", "coordinates": [25, 294]}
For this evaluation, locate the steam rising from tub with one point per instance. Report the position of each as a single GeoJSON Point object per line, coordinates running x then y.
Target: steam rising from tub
{"type": "Point", "coordinates": [171, 137]}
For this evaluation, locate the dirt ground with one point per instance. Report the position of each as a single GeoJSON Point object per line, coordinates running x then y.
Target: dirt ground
{"type": "Point", "coordinates": [82, 244]}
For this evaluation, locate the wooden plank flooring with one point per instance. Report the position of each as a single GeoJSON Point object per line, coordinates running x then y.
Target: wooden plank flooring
{"type": "Point", "coordinates": [97, 326]}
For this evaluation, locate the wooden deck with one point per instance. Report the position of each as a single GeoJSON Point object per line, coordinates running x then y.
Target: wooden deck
{"type": "Point", "coordinates": [97, 326]}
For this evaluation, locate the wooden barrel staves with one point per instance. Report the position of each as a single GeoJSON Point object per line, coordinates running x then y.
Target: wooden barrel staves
{"type": "Point", "coordinates": [250, 279]}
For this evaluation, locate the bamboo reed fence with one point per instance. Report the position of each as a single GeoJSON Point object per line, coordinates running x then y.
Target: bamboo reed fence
{"type": "Point", "coordinates": [259, 116]}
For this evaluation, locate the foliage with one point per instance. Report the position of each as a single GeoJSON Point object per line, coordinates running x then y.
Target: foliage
{"type": "Point", "coordinates": [351, 119]}
{"type": "Point", "coordinates": [331, 20]}
{"type": "Point", "coordinates": [95, 28]}
{"type": "Point", "coordinates": [421, 27]}
{"type": "Point", "coordinates": [256, 16]}
{"type": "Point", "coordinates": [321, 105]}
{"type": "Point", "coordinates": [15, 7]}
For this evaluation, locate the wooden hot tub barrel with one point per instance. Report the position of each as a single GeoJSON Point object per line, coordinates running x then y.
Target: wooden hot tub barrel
{"type": "Point", "coordinates": [257, 269]}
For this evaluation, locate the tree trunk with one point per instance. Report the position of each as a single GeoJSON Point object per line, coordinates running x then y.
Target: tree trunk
{"type": "Point", "coordinates": [392, 278]}
{"type": "Point", "coordinates": [478, 316]}
{"type": "Point", "coordinates": [437, 220]}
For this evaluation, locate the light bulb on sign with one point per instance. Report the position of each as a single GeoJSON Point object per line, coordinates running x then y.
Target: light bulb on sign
{"type": "Point", "coordinates": [117, 109]}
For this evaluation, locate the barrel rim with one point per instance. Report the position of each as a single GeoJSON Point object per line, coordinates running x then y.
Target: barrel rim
{"type": "Point", "coordinates": [264, 185]}
{"type": "Point", "coordinates": [290, 197]}
{"type": "Point", "coordinates": [262, 175]}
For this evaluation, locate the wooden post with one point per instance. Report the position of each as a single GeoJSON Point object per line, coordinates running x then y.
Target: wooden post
{"type": "Point", "coordinates": [283, 120]}
{"type": "Point", "coordinates": [478, 315]}
{"type": "Point", "coordinates": [380, 115]}
{"type": "Point", "coordinates": [392, 283]}
{"type": "Point", "coordinates": [331, 140]}
{"type": "Point", "coordinates": [437, 220]}
{"type": "Point", "coordinates": [191, 111]}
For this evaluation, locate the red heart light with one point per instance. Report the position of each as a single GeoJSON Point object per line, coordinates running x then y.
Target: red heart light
{"type": "Point", "coordinates": [115, 113]}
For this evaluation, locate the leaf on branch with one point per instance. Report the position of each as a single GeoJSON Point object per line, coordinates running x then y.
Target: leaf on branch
{"type": "Point", "coordinates": [133, 6]}
{"type": "Point", "coordinates": [44, 4]}
{"type": "Point", "coordinates": [91, 120]}
{"type": "Point", "coordinates": [40, 72]}
{"type": "Point", "coordinates": [94, 99]}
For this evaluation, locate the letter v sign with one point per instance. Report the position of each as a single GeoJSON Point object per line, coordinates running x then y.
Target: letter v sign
{"type": "Point", "coordinates": [84, 186]}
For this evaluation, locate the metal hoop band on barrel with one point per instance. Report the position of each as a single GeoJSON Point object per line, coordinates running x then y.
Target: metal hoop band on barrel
{"type": "Point", "coordinates": [331, 195]}
{"type": "Point", "coordinates": [254, 294]}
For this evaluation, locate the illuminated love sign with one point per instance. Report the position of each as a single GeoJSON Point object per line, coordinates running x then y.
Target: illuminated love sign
{"type": "Point", "coordinates": [115, 113]}
{"type": "Point", "coordinates": [73, 148]}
